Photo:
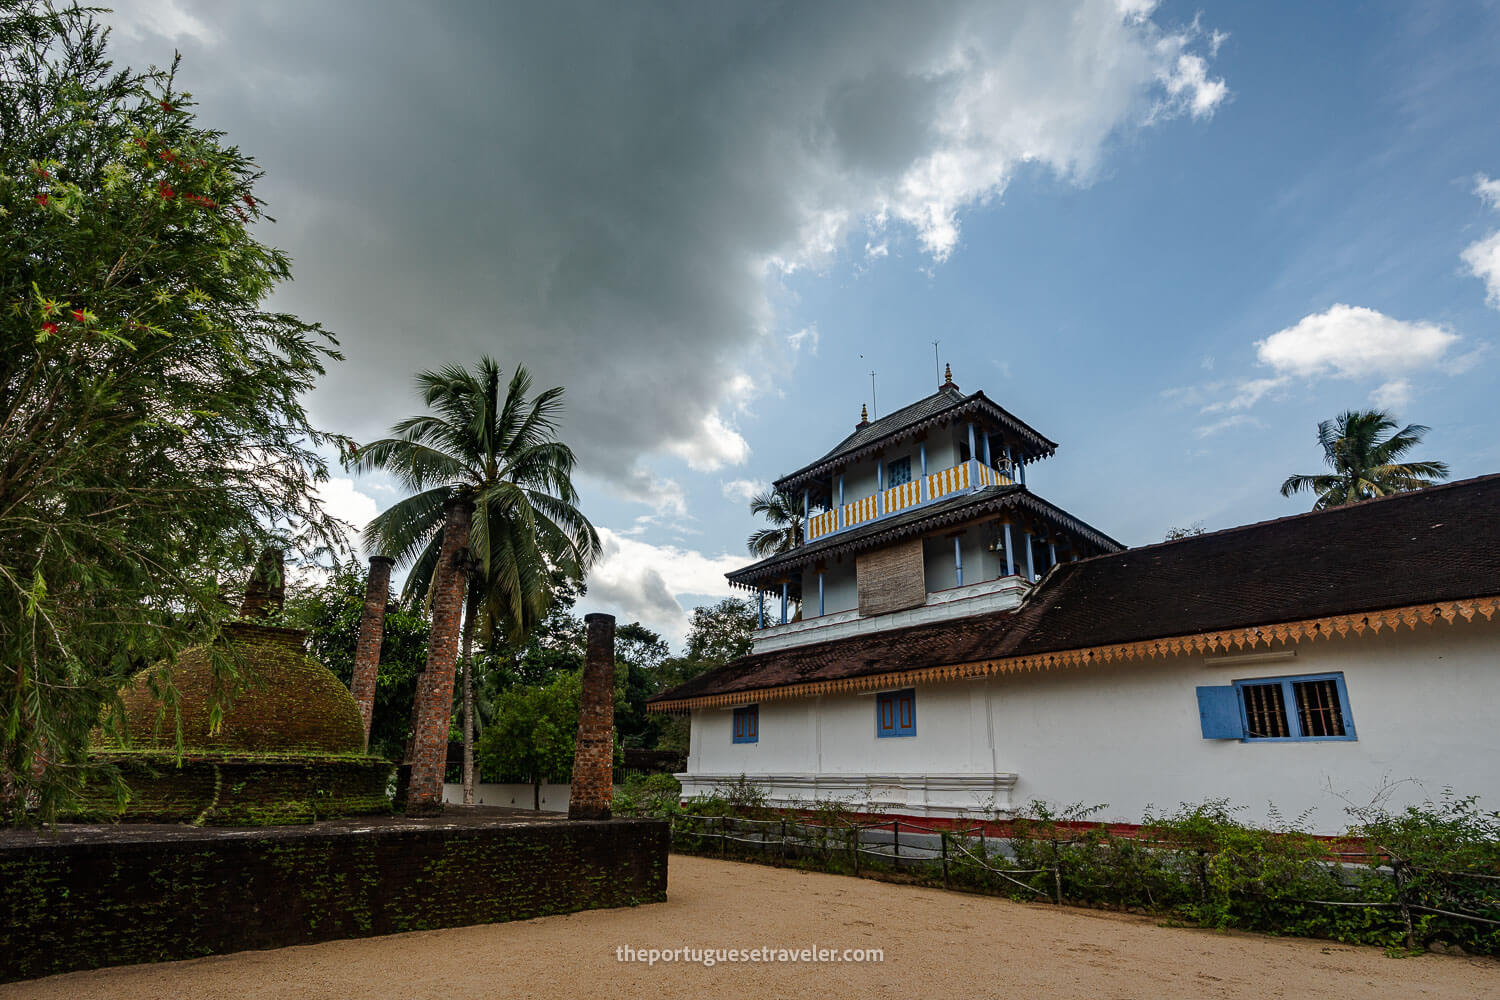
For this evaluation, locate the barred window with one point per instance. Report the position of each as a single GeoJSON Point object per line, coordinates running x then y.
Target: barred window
{"type": "Point", "coordinates": [1310, 707]}
{"type": "Point", "coordinates": [898, 473]}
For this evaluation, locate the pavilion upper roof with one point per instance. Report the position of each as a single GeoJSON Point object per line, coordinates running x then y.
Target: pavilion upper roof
{"type": "Point", "coordinates": [945, 405]}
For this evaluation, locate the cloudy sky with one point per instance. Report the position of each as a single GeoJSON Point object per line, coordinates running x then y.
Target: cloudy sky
{"type": "Point", "coordinates": [1172, 237]}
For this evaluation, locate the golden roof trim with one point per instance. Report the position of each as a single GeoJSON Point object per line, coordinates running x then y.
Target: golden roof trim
{"type": "Point", "coordinates": [1226, 640]}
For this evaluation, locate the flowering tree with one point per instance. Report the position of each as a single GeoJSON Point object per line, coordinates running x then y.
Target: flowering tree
{"type": "Point", "coordinates": [151, 436]}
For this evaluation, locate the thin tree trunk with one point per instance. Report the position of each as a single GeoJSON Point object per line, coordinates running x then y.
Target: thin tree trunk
{"type": "Point", "coordinates": [468, 658]}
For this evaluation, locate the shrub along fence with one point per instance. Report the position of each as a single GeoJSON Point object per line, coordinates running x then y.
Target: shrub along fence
{"type": "Point", "coordinates": [1426, 876]}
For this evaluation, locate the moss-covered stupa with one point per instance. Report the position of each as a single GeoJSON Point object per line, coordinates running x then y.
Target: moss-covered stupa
{"type": "Point", "coordinates": [289, 748]}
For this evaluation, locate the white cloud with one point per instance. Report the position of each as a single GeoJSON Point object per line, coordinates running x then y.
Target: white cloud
{"type": "Point", "coordinates": [806, 337]}
{"type": "Point", "coordinates": [877, 250]}
{"type": "Point", "coordinates": [638, 581]}
{"type": "Point", "coordinates": [1190, 87]}
{"type": "Point", "coordinates": [1483, 255]}
{"type": "Point", "coordinates": [1488, 190]}
{"type": "Point", "coordinates": [1344, 342]}
{"type": "Point", "coordinates": [137, 18]}
{"type": "Point", "coordinates": [342, 500]}
{"type": "Point", "coordinates": [714, 445]}
{"type": "Point", "coordinates": [1246, 394]}
{"type": "Point", "coordinates": [741, 490]}
{"type": "Point", "coordinates": [1354, 342]}
{"type": "Point", "coordinates": [1392, 395]}
{"type": "Point", "coordinates": [1236, 420]}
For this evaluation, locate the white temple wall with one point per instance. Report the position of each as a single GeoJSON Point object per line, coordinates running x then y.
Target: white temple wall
{"type": "Point", "coordinates": [1129, 735]}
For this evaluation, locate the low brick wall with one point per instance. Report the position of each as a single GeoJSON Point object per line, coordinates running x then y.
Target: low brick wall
{"type": "Point", "coordinates": [87, 897]}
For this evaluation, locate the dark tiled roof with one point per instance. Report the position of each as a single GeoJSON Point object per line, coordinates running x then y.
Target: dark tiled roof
{"type": "Point", "coordinates": [1438, 544]}
{"type": "Point", "coordinates": [925, 412]}
{"type": "Point", "coordinates": [949, 510]}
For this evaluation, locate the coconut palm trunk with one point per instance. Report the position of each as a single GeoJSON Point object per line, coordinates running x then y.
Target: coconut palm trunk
{"type": "Point", "coordinates": [467, 655]}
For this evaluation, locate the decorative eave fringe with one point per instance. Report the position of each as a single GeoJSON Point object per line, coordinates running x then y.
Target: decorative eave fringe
{"type": "Point", "coordinates": [1228, 641]}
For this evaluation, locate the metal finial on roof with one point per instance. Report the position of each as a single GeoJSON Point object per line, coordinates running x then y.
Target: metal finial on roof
{"type": "Point", "coordinates": [947, 374]}
{"type": "Point", "coordinates": [864, 415]}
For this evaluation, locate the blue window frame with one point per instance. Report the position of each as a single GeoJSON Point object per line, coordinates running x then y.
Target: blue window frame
{"type": "Point", "coordinates": [898, 473]}
{"type": "Point", "coordinates": [747, 724]}
{"type": "Point", "coordinates": [1306, 708]}
{"type": "Point", "coordinates": [896, 713]}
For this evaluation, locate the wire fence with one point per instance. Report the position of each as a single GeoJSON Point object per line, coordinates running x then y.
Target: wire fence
{"type": "Point", "coordinates": [1083, 870]}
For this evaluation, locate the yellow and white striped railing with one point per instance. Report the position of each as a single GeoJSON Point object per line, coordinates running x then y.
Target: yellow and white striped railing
{"type": "Point", "coordinates": [901, 497]}
{"type": "Point", "coordinates": [860, 511]}
{"type": "Point", "coordinates": [821, 524]}
{"type": "Point", "coordinates": [898, 498]}
{"type": "Point", "coordinates": [992, 477]}
{"type": "Point", "coordinates": [950, 480]}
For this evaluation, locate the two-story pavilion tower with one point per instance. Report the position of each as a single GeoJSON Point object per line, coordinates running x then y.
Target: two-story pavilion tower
{"type": "Point", "coordinates": [922, 515]}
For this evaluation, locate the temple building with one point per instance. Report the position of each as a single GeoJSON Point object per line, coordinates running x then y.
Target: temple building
{"type": "Point", "coordinates": [945, 642]}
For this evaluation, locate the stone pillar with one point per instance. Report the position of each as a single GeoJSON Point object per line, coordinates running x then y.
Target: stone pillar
{"type": "Point", "coordinates": [371, 628]}
{"type": "Point", "coordinates": [594, 756]}
{"type": "Point", "coordinates": [434, 708]}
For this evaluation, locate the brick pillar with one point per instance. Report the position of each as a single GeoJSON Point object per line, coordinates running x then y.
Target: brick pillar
{"type": "Point", "coordinates": [434, 708]}
{"type": "Point", "coordinates": [594, 756]}
{"type": "Point", "coordinates": [371, 628]}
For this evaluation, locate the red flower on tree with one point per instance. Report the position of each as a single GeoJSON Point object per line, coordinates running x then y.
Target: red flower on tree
{"type": "Point", "coordinates": [41, 199]}
{"type": "Point", "coordinates": [49, 328]}
{"type": "Point", "coordinates": [166, 190]}
{"type": "Point", "coordinates": [78, 315]}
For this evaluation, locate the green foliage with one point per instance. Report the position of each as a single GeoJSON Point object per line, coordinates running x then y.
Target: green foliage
{"type": "Point", "coordinates": [1365, 465]}
{"type": "Point", "coordinates": [784, 512]}
{"type": "Point", "coordinates": [331, 613]}
{"type": "Point", "coordinates": [152, 436]}
{"type": "Point", "coordinates": [1197, 864]}
{"type": "Point", "coordinates": [654, 795]}
{"type": "Point", "coordinates": [533, 731]}
{"type": "Point", "coordinates": [498, 451]}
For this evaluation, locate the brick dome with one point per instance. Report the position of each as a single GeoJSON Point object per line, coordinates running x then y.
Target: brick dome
{"type": "Point", "coordinates": [292, 705]}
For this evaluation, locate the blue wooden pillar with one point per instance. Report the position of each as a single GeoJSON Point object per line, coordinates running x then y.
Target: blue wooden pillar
{"type": "Point", "coordinates": [958, 561]}
{"type": "Point", "coordinates": [1051, 553]}
{"type": "Point", "coordinates": [922, 480]}
{"type": "Point", "coordinates": [972, 453]}
{"type": "Point", "coordinates": [1030, 565]}
{"type": "Point", "coordinates": [987, 450]}
{"type": "Point", "coordinates": [806, 505]}
{"type": "Point", "coordinates": [1010, 553]}
{"type": "Point", "coordinates": [784, 586]}
{"type": "Point", "coordinates": [1023, 473]}
{"type": "Point", "coordinates": [841, 489]}
{"type": "Point", "coordinates": [820, 595]}
{"type": "Point", "coordinates": [922, 450]}
{"type": "Point", "coordinates": [760, 606]}
{"type": "Point", "coordinates": [879, 487]}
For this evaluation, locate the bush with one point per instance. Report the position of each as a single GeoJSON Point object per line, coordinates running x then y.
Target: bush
{"type": "Point", "coordinates": [655, 795]}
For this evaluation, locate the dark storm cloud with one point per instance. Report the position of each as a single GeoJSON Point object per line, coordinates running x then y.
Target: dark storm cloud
{"type": "Point", "coordinates": [603, 191]}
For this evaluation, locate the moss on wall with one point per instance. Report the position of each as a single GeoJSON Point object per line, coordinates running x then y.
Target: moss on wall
{"type": "Point", "coordinates": [259, 790]}
{"type": "Point", "coordinates": [168, 895]}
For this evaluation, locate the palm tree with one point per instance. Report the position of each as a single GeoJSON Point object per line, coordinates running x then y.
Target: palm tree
{"type": "Point", "coordinates": [1363, 464]}
{"type": "Point", "coordinates": [502, 456]}
{"type": "Point", "coordinates": [785, 514]}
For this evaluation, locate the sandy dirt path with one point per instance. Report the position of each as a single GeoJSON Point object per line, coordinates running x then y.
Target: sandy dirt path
{"type": "Point", "coordinates": [936, 944]}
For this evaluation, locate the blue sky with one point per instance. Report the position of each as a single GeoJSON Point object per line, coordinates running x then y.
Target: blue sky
{"type": "Point", "coordinates": [1172, 238]}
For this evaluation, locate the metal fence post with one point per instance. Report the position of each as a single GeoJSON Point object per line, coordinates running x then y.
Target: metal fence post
{"type": "Point", "coordinates": [783, 841]}
{"type": "Point", "coordinates": [858, 833]}
{"type": "Point", "coordinates": [723, 835]}
{"type": "Point", "coordinates": [944, 837]}
{"type": "Point", "coordinates": [895, 838]}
